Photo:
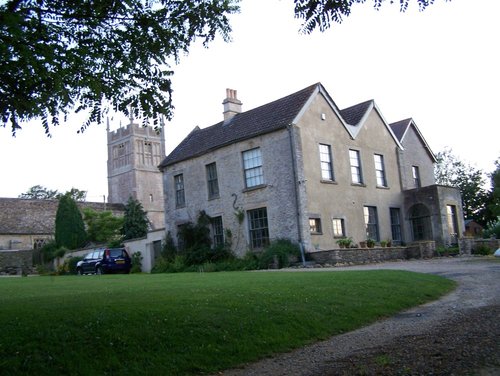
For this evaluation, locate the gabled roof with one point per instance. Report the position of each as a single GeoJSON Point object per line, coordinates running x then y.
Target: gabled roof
{"type": "Point", "coordinates": [400, 128]}
{"type": "Point", "coordinates": [269, 118]}
{"type": "Point", "coordinates": [264, 119]}
{"type": "Point", "coordinates": [354, 114]}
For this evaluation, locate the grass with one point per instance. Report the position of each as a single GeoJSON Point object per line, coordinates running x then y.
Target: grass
{"type": "Point", "coordinates": [189, 323]}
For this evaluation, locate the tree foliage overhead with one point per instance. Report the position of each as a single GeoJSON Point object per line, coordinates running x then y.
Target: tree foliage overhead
{"type": "Point", "coordinates": [72, 55]}
{"type": "Point", "coordinates": [70, 229]}
{"type": "Point", "coordinates": [322, 13]}
{"type": "Point", "coordinates": [135, 220]}
{"type": "Point", "coordinates": [60, 56]}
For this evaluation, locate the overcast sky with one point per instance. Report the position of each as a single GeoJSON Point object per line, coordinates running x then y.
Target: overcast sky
{"type": "Point", "coordinates": [441, 67]}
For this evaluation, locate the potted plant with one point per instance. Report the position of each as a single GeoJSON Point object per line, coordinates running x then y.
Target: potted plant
{"type": "Point", "coordinates": [362, 244]}
{"type": "Point", "coordinates": [389, 242]}
{"type": "Point", "coordinates": [383, 243]}
{"type": "Point", "coordinates": [344, 242]}
{"type": "Point", "coordinates": [370, 243]}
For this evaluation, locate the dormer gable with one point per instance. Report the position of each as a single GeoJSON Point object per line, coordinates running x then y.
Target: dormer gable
{"type": "Point", "coordinates": [401, 129]}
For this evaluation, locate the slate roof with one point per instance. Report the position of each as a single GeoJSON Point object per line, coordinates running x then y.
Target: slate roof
{"type": "Point", "coordinates": [264, 119]}
{"type": "Point", "coordinates": [399, 128]}
{"type": "Point", "coordinates": [353, 115]}
{"type": "Point", "coordinates": [37, 217]}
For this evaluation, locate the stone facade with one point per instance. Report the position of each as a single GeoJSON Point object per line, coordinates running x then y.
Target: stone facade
{"type": "Point", "coordinates": [134, 153]}
{"type": "Point", "coordinates": [277, 195]}
{"type": "Point", "coordinates": [419, 250]}
{"type": "Point", "coordinates": [326, 174]}
{"type": "Point", "coordinates": [27, 224]}
{"type": "Point", "coordinates": [16, 262]}
{"type": "Point", "coordinates": [436, 200]}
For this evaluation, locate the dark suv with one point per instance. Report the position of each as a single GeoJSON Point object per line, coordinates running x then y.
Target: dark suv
{"type": "Point", "coordinates": [104, 260]}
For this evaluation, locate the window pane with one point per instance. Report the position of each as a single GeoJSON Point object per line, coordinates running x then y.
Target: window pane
{"type": "Point", "coordinates": [259, 231]}
{"type": "Point", "coordinates": [252, 163]}
{"type": "Point", "coordinates": [179, 190]}
{"type": "Point", "coordinates": [371, 222]}
{"type": "Point", "coordinates": [325, 155]}
{"type": "Point", "coordinates": [396, 224]}
{"type": "Point", "coordinates": [380, 170]}
{"type": "Point", "coordinates": [212, 181]}
{"type": "Point", "coordinates": [416, 176]}
{"type": "Point", "coordinates": [217, 231]}
{"type": "Point", "coordinates": [338, 227]}
{"type": "Point", "coordinates": [452, 224]}
{"type": "Point", "coordinates": [355, 167]}
{"type": "Point", "coordinates": [315, 225]}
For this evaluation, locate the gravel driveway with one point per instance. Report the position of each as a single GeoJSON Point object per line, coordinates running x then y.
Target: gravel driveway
{"type": "Point", "coordinates": [456, 335]}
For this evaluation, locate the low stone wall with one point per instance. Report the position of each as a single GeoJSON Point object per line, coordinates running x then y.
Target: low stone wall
{"type": "Point", "coordinates": [16, 262]}
{"type": "Point", "coordinates": [352, 256]}
{"type": "Point", "coordinates": [467, 244]}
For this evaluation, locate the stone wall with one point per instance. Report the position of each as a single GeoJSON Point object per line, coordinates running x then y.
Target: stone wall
{"type": "Point", "coordinates": [468, 245]}
{"type": "Point", "coordinates": [15, 262]}
{"type": "Point", "coordinates": [373, 255]}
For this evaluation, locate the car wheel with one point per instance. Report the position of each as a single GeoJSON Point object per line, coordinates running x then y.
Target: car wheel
{"type": "Point", "coordinates": [99, 271]}
{"type": "Point", "coordinates": [79, 271]}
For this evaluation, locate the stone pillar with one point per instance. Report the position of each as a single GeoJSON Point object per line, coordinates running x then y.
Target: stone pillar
{"type": "Point", "coordinates": [465, 245]}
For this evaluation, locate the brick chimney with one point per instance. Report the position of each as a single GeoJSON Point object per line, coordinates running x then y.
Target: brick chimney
{"type": "Point", "coordinates": [232, 105]}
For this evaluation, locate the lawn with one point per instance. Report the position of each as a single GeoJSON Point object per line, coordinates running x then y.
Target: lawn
{"type": "Point", "coordinates": [189, 323]}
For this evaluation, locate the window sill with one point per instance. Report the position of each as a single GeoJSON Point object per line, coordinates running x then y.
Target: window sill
{"type": "Point", "coordinates": [316, 233]}
{"type": "Point", "coordinates": [254, 188]}
{"type": "Point", "coordinates": [213, 198]}
{"type": "Point", "coordinates": [382, 187]}
{"type": "Point", "coordinates": [328, 182]}
{"type": "Point", "coordinates": [180, 206]}
{"type": "Point", "coordinates": [358, 185]}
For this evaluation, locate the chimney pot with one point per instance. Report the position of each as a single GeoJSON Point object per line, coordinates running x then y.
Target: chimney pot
{"type": "Point", "coordinates": [232, 105]}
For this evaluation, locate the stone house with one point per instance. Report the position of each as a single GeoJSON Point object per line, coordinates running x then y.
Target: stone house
{"type": "Point", "coordinates": [301, 168]}
{"type": "Point", "coordinates": [29, 224]}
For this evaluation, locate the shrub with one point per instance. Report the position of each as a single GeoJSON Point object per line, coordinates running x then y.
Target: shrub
{"type": "Point", "coordinates": [72, 261]}
{"type": "Point", "coordinates": [169, 250]}
{"type": "Point", "coordinates": [49, 251]}
{"type": "Point", "coordinates": [483, 250]}
{"type": "Point", "coordinates": [492, 229]}
{"type": "Point", "coordinates": [136, 262]}
{"type": "Point", "coordinates": [162, 265]}
{"type": "Point", "coordinates": [281, 250]}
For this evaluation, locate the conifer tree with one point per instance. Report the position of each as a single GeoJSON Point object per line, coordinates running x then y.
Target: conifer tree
{"type": "Point", "coordinates": [135, 224]}
{"type": "Point", "coordinates": [70, 229]}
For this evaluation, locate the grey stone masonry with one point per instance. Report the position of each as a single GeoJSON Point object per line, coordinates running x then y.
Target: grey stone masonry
{"type": "Point", "coordinates": [16, 262]}
{"type": "Point", "coordinates": [418, 250]}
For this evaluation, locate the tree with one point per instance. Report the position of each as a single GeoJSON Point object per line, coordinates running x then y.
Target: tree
{"type": "Point", "coordinates": [102, 227]}
{"type": "Point", "coordinates": [76, 194]}
{"type": "Point", "coordinates": [37, 192]}
{"type": "Point", "coordinates": [59, 56]}
{"type": "Point", "coordinates": [135, 221]}
{"type": "Point", "coordinates": [321, 13]}
{"type": "Point", "coordinates": [450, 170]}
{"type": "Point", "coordinates": [95, 55]}
{"type": "Point", "coordinates": [493, 206]}
{"type": "Point", "coordinates": [70, 229]}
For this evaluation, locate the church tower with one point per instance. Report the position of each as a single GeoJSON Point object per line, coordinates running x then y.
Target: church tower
{"type": "Point", "coordinates": [134, 153]}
